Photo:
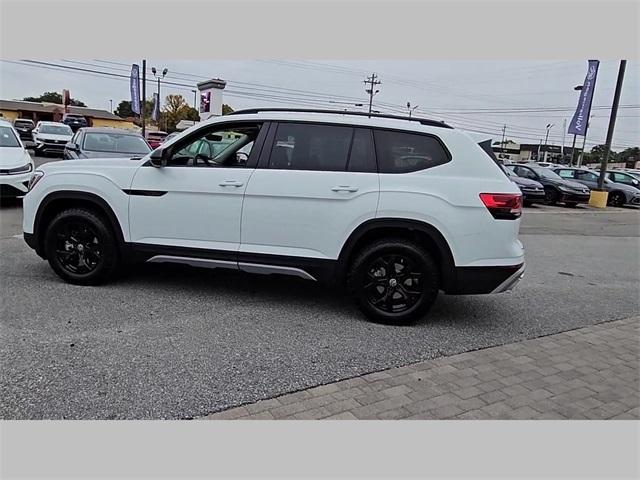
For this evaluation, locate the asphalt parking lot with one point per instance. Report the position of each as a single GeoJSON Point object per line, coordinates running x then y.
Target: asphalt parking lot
{"type": "Point", "coordinates": [175, 342]}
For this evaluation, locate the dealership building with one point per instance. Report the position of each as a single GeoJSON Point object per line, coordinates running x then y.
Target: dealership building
{"type": "Point", "coordinates": [53, 112]}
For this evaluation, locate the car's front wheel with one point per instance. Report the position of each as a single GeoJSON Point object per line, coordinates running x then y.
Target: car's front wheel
{"type": "Point", "coordinates": [394, 281]}
{"type": "Point", "coordinates": [81, 248]}
{"type": "Point", "coordinates": [616, 199]}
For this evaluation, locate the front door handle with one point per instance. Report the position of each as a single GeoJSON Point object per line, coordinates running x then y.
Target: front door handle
{"type": "Point", "coordinates": [344, 188]}
{"type": "Point", "coordinates": [231, 183]}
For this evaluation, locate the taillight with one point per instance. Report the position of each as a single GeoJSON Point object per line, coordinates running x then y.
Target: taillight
{"type": "Point", "coordinates": [503, 206]}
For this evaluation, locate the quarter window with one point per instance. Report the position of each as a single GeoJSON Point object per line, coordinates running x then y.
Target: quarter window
{"type": "Point", "coordinates": [401, 152]}
{"type": "Point", "coordinates": [362, 157]}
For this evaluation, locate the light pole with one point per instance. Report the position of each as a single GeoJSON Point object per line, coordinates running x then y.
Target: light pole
{"type": "Point", "coordinates": [410, 108]}
{"type": "Point", "coordinates": [111, 106]}
{"type": "Point", "coordinates": [546, 137]}
{"type": "Point", "coordinates": [159, 76]}
{"type": "Point", "coordinates": [573, 145]}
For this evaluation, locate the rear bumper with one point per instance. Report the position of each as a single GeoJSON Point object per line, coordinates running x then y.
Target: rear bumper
{"type": "Point", "coordinates": [483, 280]}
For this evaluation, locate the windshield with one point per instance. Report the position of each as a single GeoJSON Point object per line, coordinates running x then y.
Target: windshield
{"type": "Point", "coordinates": [115, 143]}
{"type": "Point", "coordinates": [509, 172]}
{"type": "Point", "coordinates": [7, 137]}
{"type": "Point", "coordinates": [546, 173]}
{"type": "Point", "coordinates": [56, 129]}
{"type": "Point", "coordinates": [23, 123]}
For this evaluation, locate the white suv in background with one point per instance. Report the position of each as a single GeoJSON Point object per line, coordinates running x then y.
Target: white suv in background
{"type": "Point", "coordinates": [16, 164]}
{"type": "Point", "coordinates": [393, 208]}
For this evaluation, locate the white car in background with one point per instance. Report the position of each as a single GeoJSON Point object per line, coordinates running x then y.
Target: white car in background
{"type": "Point", "coordinates": [16, 164]}
{"type": "Point", "coordinates": [51, 137]}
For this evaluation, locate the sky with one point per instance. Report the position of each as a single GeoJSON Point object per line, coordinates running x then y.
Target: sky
{"type": "Point", "coordinates": [475, 95]}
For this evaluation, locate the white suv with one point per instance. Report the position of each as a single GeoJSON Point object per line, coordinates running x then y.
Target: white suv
{"type": "Point", "coordinates": [393, 208]}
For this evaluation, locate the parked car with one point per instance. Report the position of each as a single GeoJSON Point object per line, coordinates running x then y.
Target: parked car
{"type": "Point", "coordinates": [16, 164]}
{"type": "Point", "coordinates": [545, 164]}
{"type": "Point", "coordinates": [556, 188]}
{"type": "Point", "coordinates": [171, 135]}
{"type": "Point", "coordinates": [74, 121]}
{"type": "Point", "coordinates": [51, 137]}
{"type": "Point", "coordinates": [625, 177]}
{"type": "Point", "coordinates": [24, 127]}
{"type": "Point", "coordinates": [96, 142]}
{"type": "Point", "coordinates": [155, 139]}
{"type": "Point", "coordinates": [393, 221]}
{"type": "Point", "coordinates": [532, 191]}
{"type": "Point", "coordinates": [619, 193]}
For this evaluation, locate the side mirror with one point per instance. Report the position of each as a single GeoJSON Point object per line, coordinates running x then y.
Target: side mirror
{"type": "Point", "coordinates": [159, 157]}
{"type": "Point", "coordinates": [71, 146]}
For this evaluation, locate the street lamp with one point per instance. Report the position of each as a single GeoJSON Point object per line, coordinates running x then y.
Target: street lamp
{"type": "Point", "coordinates": [410, 108]}
{"type": "Point", "coordinates": [159, 76]}
{"type": "Point", "coordinates": [546, 137]}
{"type": "Point", "coordinates": [111, 106]}
{"type": "Point", "coordinates": [573, 145]}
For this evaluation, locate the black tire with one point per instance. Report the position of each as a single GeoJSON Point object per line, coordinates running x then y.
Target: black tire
{"type": "Point", "coordinates": [571, 204]}
{"type": "Point", "coordinates": [81, 247]}
{"type": "Point", "coordinates": [394, 297]}
{"type": "Point", "coordinates": [551, 196]}
{"type": "Point", "coordinates": [616, 199]}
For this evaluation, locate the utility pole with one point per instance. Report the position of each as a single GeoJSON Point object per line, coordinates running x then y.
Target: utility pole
{"type": "Point", "coordinates": [564, 129]}
{"type": "Point", "coordinates": [159, 76]}
{"type": "Point", "coordinates": [612, 124]}
{"type": "Point", "coordinates": [143, 100]}
{"type": "Point", "coordinates": [504, 130]}
{"type": "Point", "coordinates": [111, 106]}
{"type": "Point", "coordinates": [372, 82]}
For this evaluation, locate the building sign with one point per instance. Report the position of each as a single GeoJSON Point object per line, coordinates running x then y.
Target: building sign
{"type": "Point", "coordinates": [205, 102]}
{"type": "Point", "coordinates": [580, 121]}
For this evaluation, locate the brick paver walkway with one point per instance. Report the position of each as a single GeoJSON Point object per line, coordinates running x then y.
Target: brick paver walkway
{"type": "Point", "coordinates": [589, 373]}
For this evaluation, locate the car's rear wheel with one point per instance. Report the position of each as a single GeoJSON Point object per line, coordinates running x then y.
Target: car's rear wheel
{"type": "Point", "coordinates": [394, 281]}
{"type": "Point", "coordinates": [551, 196]}
{"type": "Point", "coordinates": [81, 248]}
{"type": "Point", "coordinates": [616, 199]}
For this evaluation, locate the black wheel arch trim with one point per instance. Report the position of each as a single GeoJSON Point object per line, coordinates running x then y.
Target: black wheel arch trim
{"type": "Point", "coordinates": [96, 200]}
{"type": "Point", "coordinates": [447, 264]}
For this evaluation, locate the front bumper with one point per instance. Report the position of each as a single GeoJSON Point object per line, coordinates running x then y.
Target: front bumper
{"type": "Point", "coordinates": [574, 197]}
{"type": "Point", "coordinates": [14, 185]}
{"type": "Point", "coordinates": [49, 147]}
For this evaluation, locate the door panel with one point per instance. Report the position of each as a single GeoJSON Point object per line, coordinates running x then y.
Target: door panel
{"type": "Point", "coordinates": [200, 209]}
{"type": "Point", "coordinates": [305, 213]}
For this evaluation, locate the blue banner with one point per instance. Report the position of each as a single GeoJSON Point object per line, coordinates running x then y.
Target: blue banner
{"type": "Point", "coordinates": [134, 82]}
{"type": "Point", "coordinates": [580, 121]}
{"type": "Point", "coordinates": [156, 108]}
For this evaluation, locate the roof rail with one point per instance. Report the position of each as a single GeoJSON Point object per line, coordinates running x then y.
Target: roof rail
{"type": "Point", "coordinates": [423, 121]}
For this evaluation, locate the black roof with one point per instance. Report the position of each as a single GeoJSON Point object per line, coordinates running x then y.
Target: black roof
{"type": "Point", "coordinates": [423, 121]}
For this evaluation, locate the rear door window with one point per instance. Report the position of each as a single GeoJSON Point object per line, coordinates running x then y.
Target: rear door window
{"type": "Point", "coordinates": [403, 152]}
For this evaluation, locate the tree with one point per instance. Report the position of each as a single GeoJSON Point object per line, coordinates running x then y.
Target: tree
{"type": "Point", "coordinates": [175, 109]}
{"type": "Point", "coordinates": [54, 97]}
{"type": "Point", "coordinates": [124, 109]}
{"type": "Point", "coordinates": [598, 151]}
{"type": "Point", "coordinates": [226, 109]}
{"type": "Point", "coordinates": [629, 156]}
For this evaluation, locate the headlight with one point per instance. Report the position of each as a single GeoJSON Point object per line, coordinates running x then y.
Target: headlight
{"type": "Point", "coordinates": [35, 178]}
{"type": "Point", "coordinates": [17, 170]}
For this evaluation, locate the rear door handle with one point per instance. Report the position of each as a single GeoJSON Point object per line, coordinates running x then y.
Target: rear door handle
{"type": "Point", "coordinates": [344, 188]}
{"type": "Point", "coordinates": [231, 183]}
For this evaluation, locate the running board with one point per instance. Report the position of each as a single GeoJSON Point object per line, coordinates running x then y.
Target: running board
{"type": "Point", "coordinates": [244, 266]}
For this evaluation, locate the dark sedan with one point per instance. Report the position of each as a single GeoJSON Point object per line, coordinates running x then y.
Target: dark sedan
{"type": "Point", "coordinates": [94, 142]}
{"type": "Point", "coordinates": [556, 188]}
{"type": "Point", "coordinates": [532, 191]}
{"type": "Point", "coordinates": [24, 127]}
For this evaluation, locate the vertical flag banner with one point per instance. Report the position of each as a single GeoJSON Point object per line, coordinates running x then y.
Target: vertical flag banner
{"type": "Point", "coordinates": [580, 120]}
{"type": "Point", "coordinates": [135, 89]}
{"type": "Point", "coordinates": [156, 108]}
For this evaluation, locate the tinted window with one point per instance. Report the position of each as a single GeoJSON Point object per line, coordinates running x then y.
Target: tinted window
{"type": "Point", "coordinates": [401, 152]}
{"type": "Point", "coordinates": [7, 138]}
{"type": "Point", "coordinates": [362, 157]}
{"type": "Point", "coordinates": [525, 172]}
{"type": "Point", "coordinates": [586, 176]}
{"type": "Point", "coordinates": [310, 147]}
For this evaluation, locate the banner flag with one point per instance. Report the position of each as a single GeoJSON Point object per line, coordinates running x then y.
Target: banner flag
{"type": "Point", "coordinates": [135, 89]}
{"type": "Point", "coordinates": [580, 121]}
{"type": "Point", "coordinates": [156, 108]}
